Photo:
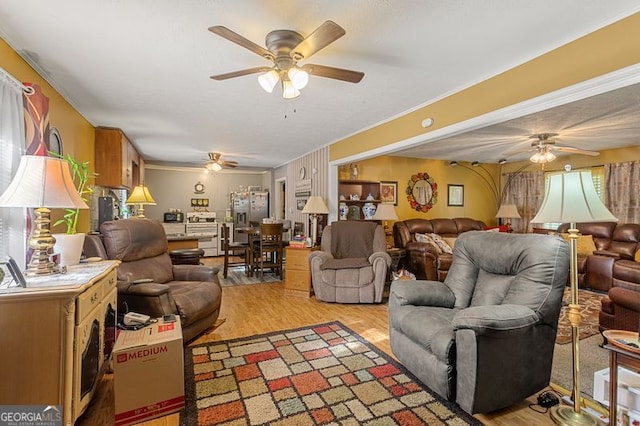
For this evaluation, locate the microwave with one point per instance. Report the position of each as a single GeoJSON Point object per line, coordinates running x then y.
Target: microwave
{"type": "Point", "coordinates": [171, 217]}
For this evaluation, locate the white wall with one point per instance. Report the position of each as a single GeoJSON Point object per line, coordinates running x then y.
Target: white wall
{"type": "Point", "coordinates": [173, 187]}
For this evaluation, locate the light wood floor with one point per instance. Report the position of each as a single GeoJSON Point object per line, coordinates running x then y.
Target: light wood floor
{"type": "Point", "coordinates": [261, 308]}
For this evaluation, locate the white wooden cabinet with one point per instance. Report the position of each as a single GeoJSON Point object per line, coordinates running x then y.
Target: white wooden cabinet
{"type": "Point", "coordinates": [57, 335]}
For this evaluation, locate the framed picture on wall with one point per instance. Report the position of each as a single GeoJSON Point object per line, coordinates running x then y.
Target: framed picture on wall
{"type": "Point", "coordinates": [456, 195]}
{"type": "Point", "coordinates": [389, 192]}
{"type": "Point", "coordinates": [300, 202]}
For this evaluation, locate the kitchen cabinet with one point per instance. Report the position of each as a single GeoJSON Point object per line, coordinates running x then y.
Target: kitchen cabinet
{"type": "Point", "coordinates": [353, 196]}
{"type": "Point", "coordinates": [118, 163]}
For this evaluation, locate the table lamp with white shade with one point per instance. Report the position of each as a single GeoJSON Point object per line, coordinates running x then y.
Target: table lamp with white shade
{"type": "Point", "coordinates": [315, 205]}
{"type": "Point", "coordinates": [42, 183]}
{"type": "Point", "coordinates": [385, 212]}
{"type": "Point", "coordinates": [508, 211]}
{"type": "Point", "coordinates": [571, 197]}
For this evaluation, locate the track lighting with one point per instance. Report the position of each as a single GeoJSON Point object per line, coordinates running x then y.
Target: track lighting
{"type": "Point", "coordinates": [502, 161]}
{"type": "Point", "coordinates": [475, 163]}
{"type": "Point", "coordinates": [453, 163]}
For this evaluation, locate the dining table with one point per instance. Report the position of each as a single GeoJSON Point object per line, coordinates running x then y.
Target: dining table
{"type": "Point", "coordinates": [253, 235]}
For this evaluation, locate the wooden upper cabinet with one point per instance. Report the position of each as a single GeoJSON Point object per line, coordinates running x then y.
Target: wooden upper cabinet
{"type": "Point", "coordinates": [118, 163]}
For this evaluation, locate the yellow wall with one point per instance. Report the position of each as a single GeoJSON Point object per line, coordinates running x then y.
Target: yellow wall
{"type": "Point", "coordinates": [478, 199]}
{"type": "Point", "coordinates": [76, 132]}
{"type": "Point", "coordinates": [606, 50]}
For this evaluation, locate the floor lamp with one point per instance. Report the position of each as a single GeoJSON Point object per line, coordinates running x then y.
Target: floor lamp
{"type": "Point", "coordinates": [571, 197]}
{"type": "Point", "coordinates": [315, 205]}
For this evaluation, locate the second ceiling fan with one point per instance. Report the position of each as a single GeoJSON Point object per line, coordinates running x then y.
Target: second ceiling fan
{"type": "Point", "coordinates": [285, 48]}
{"type": "Point", "coordinates": [543, 147]}
{"type": "Point", "coordinates": [216, 163]}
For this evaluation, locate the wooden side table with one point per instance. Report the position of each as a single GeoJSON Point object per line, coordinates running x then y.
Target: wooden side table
{"type": "Point", "coordinates": [619, 356]}
{"type": "Point", "coordinates": [297, 280]}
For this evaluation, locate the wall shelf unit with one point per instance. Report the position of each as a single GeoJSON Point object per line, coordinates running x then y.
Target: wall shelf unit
{"type": "Point", "coordinates": [360, 188]}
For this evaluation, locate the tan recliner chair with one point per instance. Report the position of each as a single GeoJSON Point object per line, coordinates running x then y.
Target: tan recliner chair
{"type": "Point", "coordinates": [149, 283]}
{"type": "Point", "coordinates": [352, 264]}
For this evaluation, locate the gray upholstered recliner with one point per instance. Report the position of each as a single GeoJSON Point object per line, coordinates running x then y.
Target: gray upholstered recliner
{"type": "Point", "coordinates": [352, 264]}
{"type": "Point", "coordinates": [485, 337]}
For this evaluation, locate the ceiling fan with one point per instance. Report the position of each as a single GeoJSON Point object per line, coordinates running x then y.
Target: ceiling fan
{"type": "Point", "coordinates": [216, 163]}
{"type": "Point", "coordinates": [543, 147]}
{"type": "Point", "coordinates": [285, 48]}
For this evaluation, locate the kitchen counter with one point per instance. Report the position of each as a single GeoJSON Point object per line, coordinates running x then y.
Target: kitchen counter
{"type": "Point", "coordinates": [180, 237]}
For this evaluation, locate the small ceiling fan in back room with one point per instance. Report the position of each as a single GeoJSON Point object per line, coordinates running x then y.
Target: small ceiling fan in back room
{"type": "Point", "coordinates": [543, 148]}
{"type": "Point", "coordinates": [216, 163]}
{"type": "Point", "coordinates": [285, 48]}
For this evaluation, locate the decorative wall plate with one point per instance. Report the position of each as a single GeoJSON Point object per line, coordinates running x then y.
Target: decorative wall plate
{"type": "Point", "coordinates": [198, 188]}
{"type": "Point", "coordinates": [55, 141]}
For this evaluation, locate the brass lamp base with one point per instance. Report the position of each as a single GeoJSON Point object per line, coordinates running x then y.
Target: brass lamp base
{"type": "Point", "coordinates": [42, 242]}
{"type": "Point", "coordinates": [566, 415]}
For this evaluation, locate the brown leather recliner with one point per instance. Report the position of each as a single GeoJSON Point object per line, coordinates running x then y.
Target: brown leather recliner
{"type": "Point", "coordinates": [149, 283]}
{"type": "Point", "coordinates": [423, 259]}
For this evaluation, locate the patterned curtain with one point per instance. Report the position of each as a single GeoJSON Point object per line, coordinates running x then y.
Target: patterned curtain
{"type": "Point", "coordinates": [621, 195]}
{"type": "Point", "coordinates": [526, 191]}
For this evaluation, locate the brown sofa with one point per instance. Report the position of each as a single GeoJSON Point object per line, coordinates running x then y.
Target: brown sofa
{"type": "Point", "coordinates": [148, 283]}
{"type": "Point", "coordinates": [423, 259]}
{"type": "Point", "coordinates": [612, 269]}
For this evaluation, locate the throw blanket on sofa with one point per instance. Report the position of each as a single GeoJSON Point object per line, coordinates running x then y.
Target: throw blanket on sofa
{"type": "Point", "coordinates": [351, 239]}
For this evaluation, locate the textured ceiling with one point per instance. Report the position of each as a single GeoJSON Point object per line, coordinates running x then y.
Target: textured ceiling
{"type": "Point", "coordinates": [144, 65]}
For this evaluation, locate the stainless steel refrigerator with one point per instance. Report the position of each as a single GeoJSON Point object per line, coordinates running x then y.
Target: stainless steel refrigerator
{"type": "Point", "coordinates": [249, 208]}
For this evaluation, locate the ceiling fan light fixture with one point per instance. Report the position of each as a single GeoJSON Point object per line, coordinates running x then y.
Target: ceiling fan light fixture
{"type": "Point", "coordinates": [542, 157]}
{"type": "Point", "coordinates": [213, 167]}
{"type": "Point", "coordinates": [288, 90]}
{"type": "Point", "coordinates": [269, 80]}
{"type": "Point", "coordinates": [299, 78]}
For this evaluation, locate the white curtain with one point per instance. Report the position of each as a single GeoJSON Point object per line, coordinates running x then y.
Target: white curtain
{"type": "Point", "coordinates": [12, 220]}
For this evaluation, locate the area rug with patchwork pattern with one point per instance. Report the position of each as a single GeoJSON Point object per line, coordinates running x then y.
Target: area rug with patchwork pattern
{"type": "Point", "coordinates": [589, 302]}
{"type": "Point", "coordinates": [317, 375]}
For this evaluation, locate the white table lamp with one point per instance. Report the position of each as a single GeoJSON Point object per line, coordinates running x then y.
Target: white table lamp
{"type": "Point", "coordinates": [42, 183]}
{"type": "Point", "coordinates": [315, 205]}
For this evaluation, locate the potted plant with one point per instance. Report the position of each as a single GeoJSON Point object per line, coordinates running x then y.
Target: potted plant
{"type": "Point", "coordinates": [69, 244]}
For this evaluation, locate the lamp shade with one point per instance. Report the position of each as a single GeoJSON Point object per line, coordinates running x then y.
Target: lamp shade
{"type": "Point", "coordinates": [315, 205]}
{"type": "Point", "coordinates": [141, 195]}
{"type": "Point", "coordinates": [571, 197]}
{"type": "Point", "coordinates": [269, 80]}
{"type": "Point", "coordinates": [42, 182]}
{"type": "Point", "coordinates": [508, 211]}
{"type": "Point", "coordinates": [385, 211]}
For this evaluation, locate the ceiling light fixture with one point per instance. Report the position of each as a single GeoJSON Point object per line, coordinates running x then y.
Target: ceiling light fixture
{"type": "Point", "coordinates": [542, 156]}
{"type": "Point", "coordinates": [213, 167]}
{"type": "Point", "coordinates": [475, 163]}
{"type": "Point", "coordinates": [299, 78]}
{"type": "Point", "coordinates": [288, 90]}
{"type": "Point", "coordinates": [453, 163]}
{"type": "Point", "coordinates": [269, 80]}
{"type": "Point", "coordinates": [502, 161]}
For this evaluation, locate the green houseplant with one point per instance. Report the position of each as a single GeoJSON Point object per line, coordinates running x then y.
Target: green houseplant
{"type": "Point", "coordinates": [81, 175]}
{"type": "Point", "coordinates": [70, 244]}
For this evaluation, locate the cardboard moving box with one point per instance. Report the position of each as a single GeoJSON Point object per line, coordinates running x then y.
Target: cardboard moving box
{"type": "Point", "coordinates": [148, 372]}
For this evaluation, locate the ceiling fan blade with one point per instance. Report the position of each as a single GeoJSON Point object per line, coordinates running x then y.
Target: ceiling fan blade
{"type": "Point", "coordinates": [325, 34]}
{"type": "Point", "coordinates": [519, 151]}
{"type": "Point", "coordinates": [576, 150]}
{"type": "Point", "coordinates": [335, 73]}
{"type": "Point", "coordinates": [225, 32]}
{"type": "Point", "coordinates": [240, 73]}
{"type": "Point", "coordinates": [230, 164]}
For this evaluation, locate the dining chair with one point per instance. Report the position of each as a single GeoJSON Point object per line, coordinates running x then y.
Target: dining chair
{"type": "Point", "coordinates": [232, 248]}
{"type": "Point", "coordinates": [268, 249]}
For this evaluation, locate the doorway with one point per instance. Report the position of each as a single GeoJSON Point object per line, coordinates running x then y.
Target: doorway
{"type": "Point", "coordinates": [280, 208]}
